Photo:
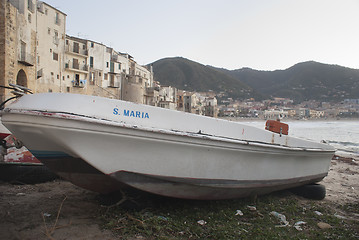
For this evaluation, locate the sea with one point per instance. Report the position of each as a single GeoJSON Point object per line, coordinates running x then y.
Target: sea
{"type": "Point", "coordinates": [341, 134]}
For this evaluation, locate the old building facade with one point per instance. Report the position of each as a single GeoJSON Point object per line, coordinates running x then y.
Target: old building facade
{"type": "Point", "coordinates": [17, 44]}
{"type": "Point", "coordinates": [37, 53]}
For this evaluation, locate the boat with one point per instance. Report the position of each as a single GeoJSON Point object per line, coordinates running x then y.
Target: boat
{"type": "Point", "coordinates": [17, 164]}
{"type": "Point", "coordinates": [104, 145]}
{"type": "Point", "coordinates": [4, 132]}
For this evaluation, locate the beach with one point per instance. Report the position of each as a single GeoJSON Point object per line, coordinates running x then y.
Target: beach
{"type": "Point", "coordinates": [60, 210]}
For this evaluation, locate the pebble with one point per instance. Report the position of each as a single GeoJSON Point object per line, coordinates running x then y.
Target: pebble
{"type": "Point", "coordinates": [323, 225]}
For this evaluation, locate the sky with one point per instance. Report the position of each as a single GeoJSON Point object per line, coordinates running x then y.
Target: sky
{"type": "Point", "coordinates": [231, 34]}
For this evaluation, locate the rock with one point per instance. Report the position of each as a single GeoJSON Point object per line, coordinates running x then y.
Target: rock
{"type": "Point", "coordinates": [323, 225]}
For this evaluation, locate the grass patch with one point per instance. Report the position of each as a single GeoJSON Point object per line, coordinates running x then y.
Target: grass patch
{"type": "Point", "coordinates": [149, 216]}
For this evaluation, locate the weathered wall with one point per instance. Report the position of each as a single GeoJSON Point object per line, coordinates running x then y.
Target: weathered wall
{"type": "Point", "coordinates": [2, 48]}
{"type": "Point", "coordinates": [10, 35]}
{"type": "Point", "coordinates": [133, 92]}
{"type": "Point", "coordinates": [14, 27]}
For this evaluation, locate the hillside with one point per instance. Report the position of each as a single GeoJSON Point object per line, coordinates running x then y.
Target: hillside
{"type": "Point", "coordinates": [303, 81]}
{"type": "Point", "coordinates": [192, 76]}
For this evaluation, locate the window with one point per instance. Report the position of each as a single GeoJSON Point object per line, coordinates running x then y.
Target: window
{"type": "Point", "coordinates": [58, 76]}
{"type": "Point", "coordinates": [30, 6]}
{"type": "Point", "coordinates": [55, 56]}
{"type": "Point", "coordinates": [119, 66]}
{"type": "Point", "coordinates": [76, 47]}
{"type": "Point", "coordinates": [92, 78]}
{"type": "Point", "coordinates": [84, 47]}
{"type": "Point", "coordinates": [92, 44]}
{"type": "Point", "coordinates": [67, 42]}
{"type": "Point", "coordinates": [106, 64]}
{"type": "Point", "coordinates": [106, 76]}
{"type": "Point", "coordinates": [91, 62]}
{"type": "Point", "coordinates": [29, 18]}
{"type": "Point", "coordinates": [57, 19]}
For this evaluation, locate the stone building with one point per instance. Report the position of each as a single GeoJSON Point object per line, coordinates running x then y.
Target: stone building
{"type": "Point", "coordinates": [50, 54]}
{"type": "Point", "coordinates": [135, 84]}
{"type": "Point", "coordinates": [17, 44]}
{"type": "Point", "coordinates": [168, 97]}
{"type": "Point", "coordinates": [210, 107]}
{"type": "Point", "coordinates": [36, 52]}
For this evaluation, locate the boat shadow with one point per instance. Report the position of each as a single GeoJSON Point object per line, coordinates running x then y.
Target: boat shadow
{"type": "Point", "coordinates": [136, 200]}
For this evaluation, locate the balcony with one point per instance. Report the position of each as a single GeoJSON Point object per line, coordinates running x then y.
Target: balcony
{"type": "Point", "coordinates": [79, 83]}
{"type": "Point", "coordinates": [76, 51]}
{"type": "Point", "coordinates": [76, 67]}
{"type": "Point", "coordinates": [26, 59]}
{"type": "Point", "coordinates": [115, 81]}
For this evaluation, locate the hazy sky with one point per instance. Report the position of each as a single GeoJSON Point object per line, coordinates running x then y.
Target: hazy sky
{"type": "Point", "coordinates": [260, 34]}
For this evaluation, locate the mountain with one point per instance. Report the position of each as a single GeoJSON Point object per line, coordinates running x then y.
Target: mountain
{"type": "Point", "coordinates": [192, 76]}
{"type": "Point", "coordinates": [303, 81]}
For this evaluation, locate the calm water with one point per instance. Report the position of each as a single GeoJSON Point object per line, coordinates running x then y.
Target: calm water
{"type": "Point", "coordinates": [343, 135]}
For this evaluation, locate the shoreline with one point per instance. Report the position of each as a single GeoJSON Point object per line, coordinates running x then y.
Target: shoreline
{"type": "Point", "coordinates": [241, 119]}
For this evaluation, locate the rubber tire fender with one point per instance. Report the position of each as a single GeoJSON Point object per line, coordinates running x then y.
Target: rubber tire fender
{"type": "Point", "coordinates": [311, 191]}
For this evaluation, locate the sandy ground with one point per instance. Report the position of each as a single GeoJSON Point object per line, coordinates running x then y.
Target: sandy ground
{"type": "Point", "coordinates": [30, 211]}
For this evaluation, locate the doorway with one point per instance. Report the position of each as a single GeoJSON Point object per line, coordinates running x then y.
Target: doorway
{"type": "Point", "coordinates": [21, 78]}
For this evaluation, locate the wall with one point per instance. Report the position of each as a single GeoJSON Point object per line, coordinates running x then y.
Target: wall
{"type": "Point", "coordinates": [51, 40]}
{"type": "Point", "coordinates": [17, 28]}
{"type": "Point", "coordinates": [2, 47]}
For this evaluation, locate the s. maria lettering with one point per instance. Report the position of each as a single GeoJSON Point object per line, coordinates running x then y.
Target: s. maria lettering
{"type": "Point", "coordinates": [131, 113]}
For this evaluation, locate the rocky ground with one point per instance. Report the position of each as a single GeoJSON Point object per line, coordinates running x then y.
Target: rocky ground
{"type": "Point", "coordinates": [60, 210]}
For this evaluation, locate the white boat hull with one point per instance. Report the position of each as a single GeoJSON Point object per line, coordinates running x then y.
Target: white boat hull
{"type": "Point", "coordinates": [166, 161]}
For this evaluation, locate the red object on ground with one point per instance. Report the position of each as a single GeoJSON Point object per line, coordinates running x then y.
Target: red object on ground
{"type": "Point", "coordinates": [19, 155]}
{"type": "Point", "coordinates": [277, 127]}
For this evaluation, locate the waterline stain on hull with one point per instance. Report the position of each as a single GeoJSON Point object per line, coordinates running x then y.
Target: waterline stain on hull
{"type": "Point", "coordinates": [78, 172]}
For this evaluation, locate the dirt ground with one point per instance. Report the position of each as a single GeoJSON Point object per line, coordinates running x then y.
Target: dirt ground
{"type": "Point", "coordinates": [31, 211]}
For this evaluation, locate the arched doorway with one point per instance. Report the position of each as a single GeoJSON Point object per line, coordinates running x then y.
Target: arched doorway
{"type": "Point", "coordinates": [21, 78]}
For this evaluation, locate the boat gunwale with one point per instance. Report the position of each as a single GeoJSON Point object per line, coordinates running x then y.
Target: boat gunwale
{"type": "Point", "coordinates": [198, 135]}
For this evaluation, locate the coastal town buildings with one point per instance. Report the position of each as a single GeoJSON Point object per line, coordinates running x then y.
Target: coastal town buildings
{"type": "Point", "coordinates": [37, 53]}
{"type": "Point", "coordinates": [168, 97]}
{"type": "Point", "coordinates": [349, 108]}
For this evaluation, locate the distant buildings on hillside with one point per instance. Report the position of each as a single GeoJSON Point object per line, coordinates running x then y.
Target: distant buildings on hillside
{"type": "Point", "coordinates": [282, 108]}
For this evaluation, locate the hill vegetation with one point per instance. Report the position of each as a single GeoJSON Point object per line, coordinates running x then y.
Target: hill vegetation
{"type": "Point", "coordinates": [303, 81]}
{"type": "Point", "coordinates": [192, 76]}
